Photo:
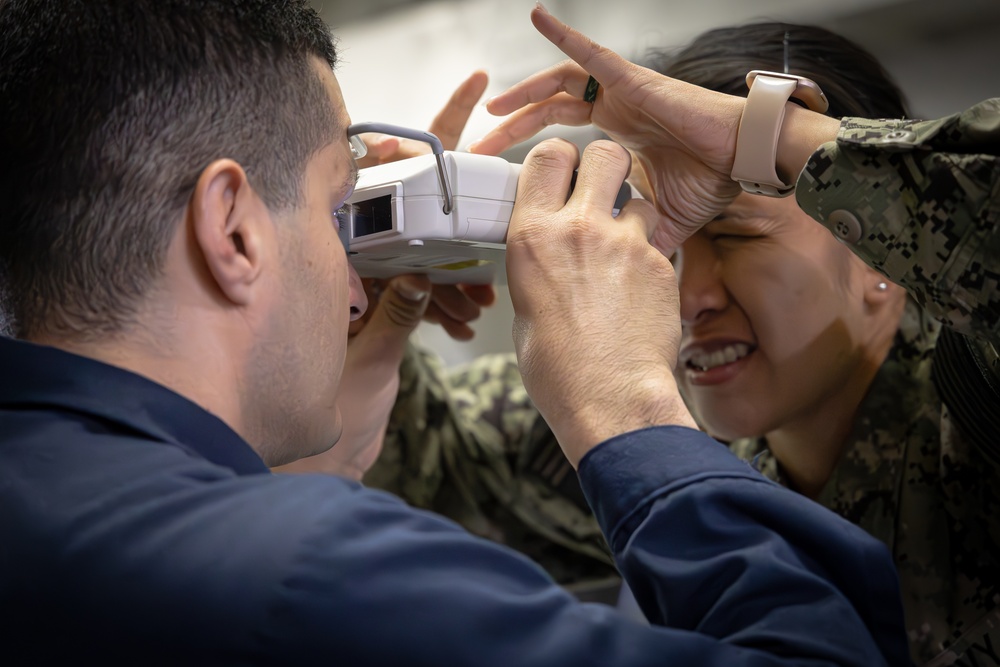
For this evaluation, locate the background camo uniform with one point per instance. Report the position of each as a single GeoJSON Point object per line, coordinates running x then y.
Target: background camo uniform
{"type": "Point", "coordinates": [909, 475]}
{"type": "Point", "coordinates": [470, 445]}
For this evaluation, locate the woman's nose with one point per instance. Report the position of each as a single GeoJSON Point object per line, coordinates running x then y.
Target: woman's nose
{"type": "Point", "coordinates": [699, 280]}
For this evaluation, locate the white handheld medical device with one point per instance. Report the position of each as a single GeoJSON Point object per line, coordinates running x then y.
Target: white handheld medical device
{"type": "Point", "coordinates": [444, 215]}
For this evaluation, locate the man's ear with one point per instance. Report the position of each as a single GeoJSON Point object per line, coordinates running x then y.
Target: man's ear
{"type": "Point", "coordinates": [230, 224]}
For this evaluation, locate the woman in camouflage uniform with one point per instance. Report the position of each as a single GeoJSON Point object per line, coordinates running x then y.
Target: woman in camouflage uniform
{"type": "Point", "coordinates": [829, 377]}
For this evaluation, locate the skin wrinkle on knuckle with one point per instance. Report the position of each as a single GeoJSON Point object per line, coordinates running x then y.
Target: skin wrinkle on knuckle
{"type": "Point", "coordinates": [554, 153]}
{"type": "Point", "coordinates": [520, 247]}
{"type": "Point", "coordinates": [583, 237]}
{"type": "Point", "coordinates": [608, 154]}
{"type": "Point", "coordinates": [639, 256]}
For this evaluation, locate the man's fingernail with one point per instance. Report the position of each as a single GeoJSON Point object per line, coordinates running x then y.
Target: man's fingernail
{"type": "Point", "coordinates": [411, 292]}
{"type": "Point", "coordinates": [541, 7]}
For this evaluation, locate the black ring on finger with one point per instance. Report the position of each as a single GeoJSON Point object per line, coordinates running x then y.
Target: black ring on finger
{"type": "Point", "coordinates": [590, 94]}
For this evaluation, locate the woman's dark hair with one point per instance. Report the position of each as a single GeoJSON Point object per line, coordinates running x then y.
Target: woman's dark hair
{"type": "Point", "coordinates": [852, 79]}
{"type": "Point", "coordinates": [110, 110]}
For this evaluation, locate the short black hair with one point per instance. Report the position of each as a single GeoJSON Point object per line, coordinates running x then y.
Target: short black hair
{"type": "Point", "coordinates": [109, 112]}
{"type": "Point", "coordinates": [852, 79]}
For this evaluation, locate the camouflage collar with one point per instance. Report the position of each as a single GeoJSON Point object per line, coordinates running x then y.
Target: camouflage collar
{"type": "Point", "coordinates": [866, 484]}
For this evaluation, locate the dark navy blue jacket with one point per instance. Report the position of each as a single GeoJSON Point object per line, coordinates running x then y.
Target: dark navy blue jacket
{"type": "Point", "coordinates": [137, 528]}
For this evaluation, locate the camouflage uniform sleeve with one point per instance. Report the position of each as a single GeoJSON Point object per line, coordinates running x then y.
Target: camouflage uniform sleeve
{"type": "Point", "coordinates": [475, 418]}
{"type": "Point", "coordinates": [411, 462]}
{"type": "Point", "coordinates": [920, 202]}
{"type": "Point", "coordinates": [469, 444]}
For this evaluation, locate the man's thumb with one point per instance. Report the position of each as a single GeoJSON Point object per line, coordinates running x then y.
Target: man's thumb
{"type": "Point", "coordinates": [400, 308]}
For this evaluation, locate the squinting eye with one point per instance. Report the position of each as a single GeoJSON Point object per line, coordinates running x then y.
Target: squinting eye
{"type": "Point", "coordinates": [733, 237]}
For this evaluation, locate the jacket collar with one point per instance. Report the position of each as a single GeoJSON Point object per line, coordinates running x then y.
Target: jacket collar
{"type": "Point", "coordinates": [40, 376]}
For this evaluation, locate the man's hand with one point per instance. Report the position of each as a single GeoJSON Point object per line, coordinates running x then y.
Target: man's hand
{"type": "Point", "coordinates": [596, 307]}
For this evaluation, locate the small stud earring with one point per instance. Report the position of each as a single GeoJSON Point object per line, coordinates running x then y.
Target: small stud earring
{"type": "Point", "coordinates": [882, 286]}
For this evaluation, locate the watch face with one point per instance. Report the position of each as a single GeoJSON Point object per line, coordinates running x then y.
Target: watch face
{"type": "Point", "coordinates": [806, 90]}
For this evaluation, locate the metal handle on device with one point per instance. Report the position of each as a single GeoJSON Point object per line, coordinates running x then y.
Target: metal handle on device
{"type": "Point", "coordinates": [417, 135]}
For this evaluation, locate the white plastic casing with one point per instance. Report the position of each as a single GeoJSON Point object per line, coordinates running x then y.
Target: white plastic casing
{"type": "Point", "coordinates": [465, 246]}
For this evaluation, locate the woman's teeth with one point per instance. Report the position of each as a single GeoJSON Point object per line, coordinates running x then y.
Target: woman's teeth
{"type": "Point", "coordinates": [727, 355]}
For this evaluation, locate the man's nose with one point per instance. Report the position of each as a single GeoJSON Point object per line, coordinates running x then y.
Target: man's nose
{"type": "Point", "coordinates": [358, 298]}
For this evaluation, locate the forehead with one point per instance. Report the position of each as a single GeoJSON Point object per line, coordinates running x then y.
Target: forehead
{"type": "Point", "coordinates": [332, 86]}
{"type": "Point", "coordinates": [336, 156]}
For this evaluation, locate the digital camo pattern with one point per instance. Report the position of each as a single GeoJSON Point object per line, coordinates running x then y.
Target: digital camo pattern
{"type": "Point", "coordinates": [909, 479]}
{"type": "Point", "coordinates": [927, 195]}
{"type": "Point", "coordinates": [470, 445]}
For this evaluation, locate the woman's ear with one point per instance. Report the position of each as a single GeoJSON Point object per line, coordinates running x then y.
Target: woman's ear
{"type": "Point", "coordinates": [230, 225]}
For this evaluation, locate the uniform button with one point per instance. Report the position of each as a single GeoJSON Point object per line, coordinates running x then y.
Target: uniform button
{"type": "Point", "coordinates": [845, 226]}
{"type": "Point", "coordinates": [898, 137]}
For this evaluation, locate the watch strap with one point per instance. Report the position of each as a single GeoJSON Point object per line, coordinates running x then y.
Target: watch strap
{"type": "Point", "coordinates": [760, 126]}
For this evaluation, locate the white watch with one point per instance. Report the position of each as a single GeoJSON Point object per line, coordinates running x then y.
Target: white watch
{"type": "Point", "coordinates": [757, 137]}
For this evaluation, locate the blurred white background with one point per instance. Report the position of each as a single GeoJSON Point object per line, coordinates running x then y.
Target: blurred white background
{"type": "Point", "coordinates": [401, 59]}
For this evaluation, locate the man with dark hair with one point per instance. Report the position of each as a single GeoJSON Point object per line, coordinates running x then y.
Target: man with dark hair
{"type": "Point", "coordinates": [135, 125]}
{"type": "Point", "coordinates": [170, 189]}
